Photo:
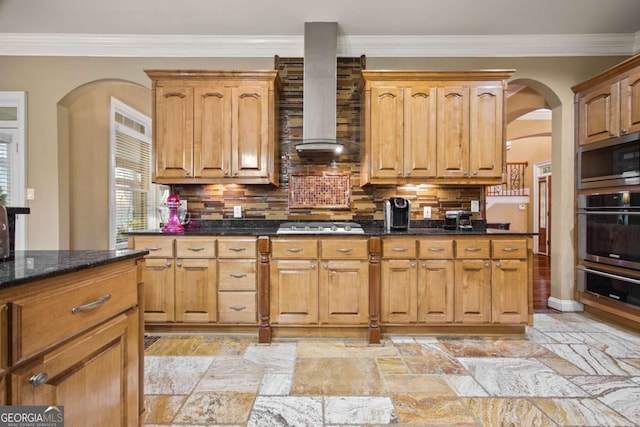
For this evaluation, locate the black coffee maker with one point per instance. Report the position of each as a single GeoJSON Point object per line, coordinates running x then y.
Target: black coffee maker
{"type": "Point", "coordinates": [397, 213]}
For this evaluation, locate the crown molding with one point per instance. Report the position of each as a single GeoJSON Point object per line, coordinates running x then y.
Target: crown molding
{"type": "Point", "coordinates": [193, 46]}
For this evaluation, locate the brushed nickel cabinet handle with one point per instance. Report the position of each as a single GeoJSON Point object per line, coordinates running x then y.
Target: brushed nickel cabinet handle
{"type": "Point", "coordinates": [91, 305]}
{"type": "Point", "coordinates": [237, 275]}
{"type": "Point", "coordinates": [436, 249]}
{"type": "Point", "coordinates": [399, 249]}
{"type": "Point", "coordinates": [238, 307]}
{"type": "Point", "coordinates": [344, 250]}
{"type": "Point", "coordinates": [509, 249]}
{"type": "Point", "coordinates": [196, 249]}
{"type": "Point", "coordinates": [39, 379]}
{"type": "Point", "coordinates": [472, 249]}
{"type": "Point", "coordinates": [153, 249]}
{"type": "Point", "coordinates": [294, 250]}
{"type": "Point", "coordinates": [238, 249]}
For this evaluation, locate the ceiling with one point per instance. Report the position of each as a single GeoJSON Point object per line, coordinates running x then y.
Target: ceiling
{"type": "Point", "coordinates": [612, 26]}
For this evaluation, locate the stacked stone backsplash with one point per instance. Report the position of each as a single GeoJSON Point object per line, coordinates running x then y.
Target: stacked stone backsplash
{"type": "Point", "coordinates": [208, 202]}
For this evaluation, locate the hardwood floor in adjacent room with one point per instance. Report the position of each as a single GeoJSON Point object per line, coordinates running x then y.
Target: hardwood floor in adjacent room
{"type": "Point", "coordinates": [541, 281]}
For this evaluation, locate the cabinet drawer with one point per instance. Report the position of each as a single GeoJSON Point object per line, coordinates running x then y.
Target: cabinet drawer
{"type": "Point", "coordinates": [236, 275]}
{"type": "Point", "coordinates": [42, 321]}
{"type": "Point", "coordinates": [466, 249]}
{"type": "Point", "coordinates": [196, 247]}
{"type": "Point", "coordinates": [512, 249]}
{"type": "Point", "coordinates": [344, 249]}
{"type": "Point", "coordinates": [158, 246]}
{"type": "Point", "coordinates": [294, 249]}
{"type": "Point", "coordinates": [237, 307]}
{"type": "Point", "coordinates": [435, 249]}
{"type": "Point", "coordinates": [237, 248]}
{"type": "Point", "coordinates": [398, 248]}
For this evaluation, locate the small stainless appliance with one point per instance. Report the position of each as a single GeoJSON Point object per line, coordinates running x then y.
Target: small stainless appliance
{"type": "Point", "coordinates": [457, 220]}
{"type": "Point", "coordinates": [338, 228]}
{"type": "Point", "coordinates": [397, 213]}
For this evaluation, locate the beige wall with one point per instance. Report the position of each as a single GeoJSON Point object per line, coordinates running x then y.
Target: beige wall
{"type": "Point", "coordinates": [47, 80]}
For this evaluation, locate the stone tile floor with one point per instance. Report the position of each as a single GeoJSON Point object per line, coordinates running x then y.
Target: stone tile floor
{"type": "Point", "coordinates": [568, 370]}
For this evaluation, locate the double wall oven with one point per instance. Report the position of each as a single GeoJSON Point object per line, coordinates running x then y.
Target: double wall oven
{"type": "Point", "coordinates": [609, 219]}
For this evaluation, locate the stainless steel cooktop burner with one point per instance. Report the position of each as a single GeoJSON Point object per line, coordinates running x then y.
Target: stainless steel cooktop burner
{"type": "Point", "coordinates": [320, 228]}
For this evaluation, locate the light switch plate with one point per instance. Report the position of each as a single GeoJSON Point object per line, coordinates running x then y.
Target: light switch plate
{"type": "Point", "coordinates": [237, 211]}
{"type": "Point", "coordinates": [31, 194]}
{"type": "Point", "coordinates": [475, 206]}
{"type": "Point", "coordinates": [427, 212]}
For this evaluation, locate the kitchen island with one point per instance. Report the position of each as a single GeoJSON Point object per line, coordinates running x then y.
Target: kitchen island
{"type": "Point", "coordinates": [70, 334]}
{"type": "Point", "coordinates": [423, 280]}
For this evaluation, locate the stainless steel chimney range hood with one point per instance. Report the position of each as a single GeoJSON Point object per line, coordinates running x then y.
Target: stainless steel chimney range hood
{"type": "Point", "coordinates": [319, 97]}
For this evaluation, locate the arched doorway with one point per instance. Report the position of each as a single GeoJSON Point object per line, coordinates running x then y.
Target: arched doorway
{"type": "Point", "coordinates": [84, 153]}
{"type": "Point", "coordinates": [531, 107]}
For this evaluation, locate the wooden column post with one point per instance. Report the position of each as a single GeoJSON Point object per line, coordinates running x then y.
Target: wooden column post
{"type": "Point", "coordinates": [375, 252]}
{"type": "Point", "coordinates": [264, 249]}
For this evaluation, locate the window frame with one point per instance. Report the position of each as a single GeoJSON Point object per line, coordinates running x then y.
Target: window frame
{"type": "Point", "coordinates": [120, 107]}
{"type": "Point", "coordinates": [17, 99]}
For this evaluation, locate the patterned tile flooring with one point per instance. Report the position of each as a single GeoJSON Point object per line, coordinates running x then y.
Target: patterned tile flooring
{"type": "Point", "coordinates": [569, 369]}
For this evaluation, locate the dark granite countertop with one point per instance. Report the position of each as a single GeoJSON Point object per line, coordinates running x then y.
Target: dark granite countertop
{"type": "Point", "coordinates": [371, 228]}
{"type": "Point", "coordinates": [30, 266]}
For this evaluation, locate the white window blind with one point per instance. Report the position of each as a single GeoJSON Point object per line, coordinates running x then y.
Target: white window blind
{"type": "Point", "coordinates": [7, 146]}
{"type": "Point", "coordinates": [132, 183]}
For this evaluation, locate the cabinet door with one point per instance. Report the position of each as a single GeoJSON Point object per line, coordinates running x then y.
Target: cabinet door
{"type": "Point", "coordinates": [630, 103]}
{"type": "Point", "coordinates": [598, 114]}
{"type": "Point", "coordinates": [159, 290]}
{"type": "Point", "coordinates": [435, 291]}
{"type": "Point", "coordinates": [250, 132]}
{"type": "Point", "coordinates": [399, 291]}
{"type": "Point", "coordinates": [67, 376]}
{"type": "Point", "coordinates": [420, 132]}
{"type": "Point", "coordinates": [485, 132]}
{"type": "Point", "coordinates": [453, 132]}
{"type": "Point", "coordinates": [473, 291]}
{"type": "Point", "coordinates": [294, 292]}
{"type": "Point", "coordinates": [174, 131]}
{"type": "Point", "coordinates": [510, 291]}
{"type": "Point", "coordinates": [344, 292]}
{"type": "Point", "coordinates": [386, 132]}
{"type": "Point", "coordinates": [212, 132]}
{"type": "Point", "coordinates": [196, 290]}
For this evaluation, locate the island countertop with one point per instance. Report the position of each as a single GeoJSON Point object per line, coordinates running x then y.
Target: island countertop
{"type": "Point", "coordinates": [30, 266]}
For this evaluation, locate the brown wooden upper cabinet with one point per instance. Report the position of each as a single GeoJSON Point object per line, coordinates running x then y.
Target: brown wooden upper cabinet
{"type": "Point", "coordinates": [215, 126]}
{"type": "Point", "coordinates": [608, 105]}
{"type": "Point", "coordinates": [439, 127]}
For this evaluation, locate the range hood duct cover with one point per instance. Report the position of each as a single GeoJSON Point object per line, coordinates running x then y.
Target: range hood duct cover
{"type": "Point", "coordinates": [319, 97]}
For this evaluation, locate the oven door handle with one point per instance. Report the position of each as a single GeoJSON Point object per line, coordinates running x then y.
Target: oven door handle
{"type": "Point", "coordinates": [609, 275]}
{"type": "Point", "coordinates": [585, 212]}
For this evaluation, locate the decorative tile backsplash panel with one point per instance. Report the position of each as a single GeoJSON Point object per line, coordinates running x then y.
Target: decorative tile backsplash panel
{"type": "Point", "coordinates": [267, 202]}
{"type": "Point", "coordinates": [321, 191]}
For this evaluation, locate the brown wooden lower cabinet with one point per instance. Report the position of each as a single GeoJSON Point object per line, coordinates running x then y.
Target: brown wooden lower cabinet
{"type": "Point", "coordinates": [77, 343]}
{"type": "Point", "coordinates": [314, 283]}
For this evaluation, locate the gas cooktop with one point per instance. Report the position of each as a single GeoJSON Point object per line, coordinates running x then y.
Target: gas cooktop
{"type": "Point", "coordinates": [330, 227]}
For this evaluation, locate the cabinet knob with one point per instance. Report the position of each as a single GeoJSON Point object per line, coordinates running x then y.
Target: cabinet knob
{"type": "Point", "coordinates": [498, 265]}
{"type": "Point", "coordinates": [408, 173]}
{"type": "Point", "coordinates": [475, 173]}
{"type": "Point", "coordinates": [399, 173]}
{"type": "Point", "coordinates": [486, 264]}
{"type": "Point", "coordinates": [424, 265]}
{"type": "Point", "coordinates": [167, 264]}
{"type": "Point", "coordinates": [325, 266]}
{"type": "Point", "coordinates": [313, 266]}
{"type": "Point", "coordinates": [612, 134]}
{"type": "Point", "coordinates": [179, 264]}
{"type": "Point", "coordinates": [39, 379]}
{"type": "Point", "coordinates": [624, 131]}
{"type": "Point", "coordinates": [413, 265]}
{"type": "Point", "coordinates": [465, 173]}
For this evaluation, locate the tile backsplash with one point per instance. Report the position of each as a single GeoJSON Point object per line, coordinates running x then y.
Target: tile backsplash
{"type": "Point", "coordinates": [266, 202]}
